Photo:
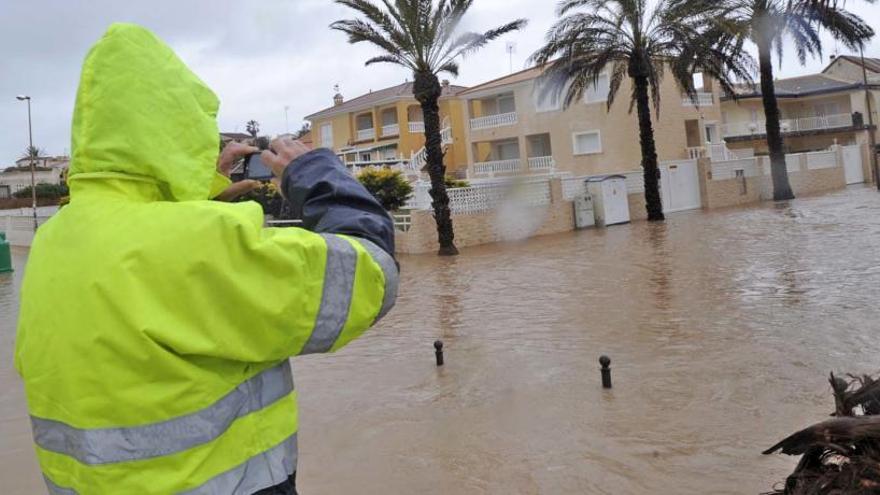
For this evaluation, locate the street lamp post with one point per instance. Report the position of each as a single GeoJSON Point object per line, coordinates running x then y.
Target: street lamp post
{"type": "Point", "coordinates": [31, 157]}
{"type": "Point", "coordinates": [872, 141]}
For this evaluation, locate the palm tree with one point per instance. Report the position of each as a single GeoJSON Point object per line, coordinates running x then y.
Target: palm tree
{"type": "Point", "coordinates": [638, 40]}
{"type": "Point", "coordinates": [423, 37]}
{"type": "Point", "coordinates": [253, 128]}
{"type": "Point", "coordinates": [32, 152]}
{"type": "Point", "coordinates": [767, 23]}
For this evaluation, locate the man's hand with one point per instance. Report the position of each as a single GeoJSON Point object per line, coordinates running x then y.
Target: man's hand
{"type": "Point", "coordinates": [230, 154]}
{"type": "Point", "coordinates": [283, 151]}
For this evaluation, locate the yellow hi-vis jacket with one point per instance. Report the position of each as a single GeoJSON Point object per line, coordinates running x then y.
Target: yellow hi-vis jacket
{"type": "Point", "coordinates": [156, 325]}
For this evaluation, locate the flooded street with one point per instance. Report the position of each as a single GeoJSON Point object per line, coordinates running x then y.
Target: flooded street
{"type": "Point", "coordinates": [722, 328]}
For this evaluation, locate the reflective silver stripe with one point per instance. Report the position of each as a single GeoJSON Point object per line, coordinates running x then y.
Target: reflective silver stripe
{"type": "Point", "coordinates": [392, 275]}
{"type": "Point", "coordinates": [335, 296]}
{"type": "Point", "coordinates": [57, 490]}
{"type": "Point", "coordinates": [261, 471]}
{"type": "Point", "coordinates": [108, 445]}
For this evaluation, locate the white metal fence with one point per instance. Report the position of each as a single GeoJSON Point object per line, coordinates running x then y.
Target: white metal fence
{"type": "Point", "coordinates": [755, 166]}
{"type": "Point", "coordinates": [483, 197]}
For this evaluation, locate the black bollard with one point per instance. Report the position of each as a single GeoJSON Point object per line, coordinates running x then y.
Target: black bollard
{"type": "Point", "coordinates": [438, 351]}
{"type": "Point", "coordinates": [605, 361]}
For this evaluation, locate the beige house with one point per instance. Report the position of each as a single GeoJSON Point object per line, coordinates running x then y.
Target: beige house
{"type": "Point", "coordinates": [514, 129]}
{"type": "Point", "coordinates": [817, 111]}
{"type": "Point", "coordinates": [386, 128]}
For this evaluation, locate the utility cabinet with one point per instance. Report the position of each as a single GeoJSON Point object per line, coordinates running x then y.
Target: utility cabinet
{"type": "Point", "coordinates": [610, 201]}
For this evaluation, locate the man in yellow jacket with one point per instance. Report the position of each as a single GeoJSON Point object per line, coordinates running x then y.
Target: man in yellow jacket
{"type": "Point", "coordinates": [156, 324]}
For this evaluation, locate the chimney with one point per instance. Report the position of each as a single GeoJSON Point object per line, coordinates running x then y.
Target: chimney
{"type": "Point", "coordinates": [832, 57]}
{"type": "Point", "coordinates": [445, 83]}
{"type": "Point", "coordinates": [338, 99]}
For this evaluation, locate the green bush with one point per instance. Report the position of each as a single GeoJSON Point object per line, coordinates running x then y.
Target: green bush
{"type": "Point", "coordinates": [268, 196]}
{"type": "Point", "coordinates": [453, 183]}
{"type": "Point", "coordinates": [51, 191]}
{"type": "Point", "coordinates": [388, 186]}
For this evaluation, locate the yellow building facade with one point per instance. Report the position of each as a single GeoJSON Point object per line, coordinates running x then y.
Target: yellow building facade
{"type": "Point", "coordinates": [386, 128]}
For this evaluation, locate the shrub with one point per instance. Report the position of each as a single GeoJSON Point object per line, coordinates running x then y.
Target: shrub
{"type": "Point", "coordinates": [51, 191]}
{"type": "Point", "coordinates": [388, 186]}
{"type": "Point", "coordinates": [268, 196]}
{"type": "Point", "coordinates": [453, 183]}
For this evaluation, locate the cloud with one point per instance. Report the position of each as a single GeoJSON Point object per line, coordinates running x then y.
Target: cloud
{"type": "Point", "coordinates": [259, 57]}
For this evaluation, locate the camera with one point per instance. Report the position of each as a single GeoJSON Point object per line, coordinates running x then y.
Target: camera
{"type": "Point", "coordinates": [255, 169]}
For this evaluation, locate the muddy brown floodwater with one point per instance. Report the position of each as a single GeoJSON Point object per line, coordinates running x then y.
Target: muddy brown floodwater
{"type": "Point", "coordinates": [722, 328]}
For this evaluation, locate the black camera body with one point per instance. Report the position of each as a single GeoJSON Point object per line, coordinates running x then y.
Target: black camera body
{"type": "Point", "coordinates": [255, 169]}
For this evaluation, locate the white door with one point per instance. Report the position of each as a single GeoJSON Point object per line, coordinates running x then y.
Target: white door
{"type": "Point", "coordinates": [852, 164]}
{"type": "Point", "coordinates": [712, 133]}
{"type": "Point", "coordinates": [680, 186]}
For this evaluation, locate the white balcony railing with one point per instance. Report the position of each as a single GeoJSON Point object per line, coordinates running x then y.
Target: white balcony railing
{"type": "Point", "coordinates": [702, 100]}
{"type": "Point", "coordinates": [498, 166]}
{"type": "Point", "coordinates": [789, 125]}
{"type": "Point", "coordinates": [695, 152]}
{"type": "Point", "coordinates": [490, 121]}
{"type": "Point", "coordinates": [416, 127]}
{"type": "Point", "coordinates": [542, 163]}
{"type": "Point", "coordinates": [366, 134]}
{"type": "Point", "coordinates": [390, 130]}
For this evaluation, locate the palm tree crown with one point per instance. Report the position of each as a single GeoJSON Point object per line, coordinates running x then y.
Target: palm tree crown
{"type": "Point", "coordinates": [417, 34]}
{"type": "Point", "coordinates": [630, 38]}
{"type": "Point", "coordinates": [772, 21]}
{"type": "Point", "coordinates": [767, 23]}
{"type": "Point", "coordinates": [639, 40]}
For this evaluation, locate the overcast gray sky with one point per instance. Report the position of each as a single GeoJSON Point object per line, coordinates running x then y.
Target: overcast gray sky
{"type": "Point", "coordinates": [259, 56]}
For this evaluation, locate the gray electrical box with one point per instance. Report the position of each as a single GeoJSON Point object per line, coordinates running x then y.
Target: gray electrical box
{"type": "Point", "coordinates": [584, 216]}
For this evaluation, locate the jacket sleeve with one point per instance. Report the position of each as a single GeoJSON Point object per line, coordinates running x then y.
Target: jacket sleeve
{"type": "Point", "coordinates": [329, 200]}
{"type": "Point", "coordinates": [264, 294]}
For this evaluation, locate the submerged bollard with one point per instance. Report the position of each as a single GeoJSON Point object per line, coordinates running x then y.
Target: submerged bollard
{"type": "Point", "coordinates": [5, 255]}
{"type": "Point", "coordinates": [438, 351]}
{"type": "Point", "coordinates": [605, 361]}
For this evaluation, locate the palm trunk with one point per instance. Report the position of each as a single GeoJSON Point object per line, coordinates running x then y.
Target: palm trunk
{"type": "Point", "coordinates": [778, 171]}
{"type": "Point", "coordinates": [427, 91]}
{"type": "Point", "coordinates": [653, 201]}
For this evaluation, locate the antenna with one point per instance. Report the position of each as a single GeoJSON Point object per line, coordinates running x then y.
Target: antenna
{"type": "Point", "coordinates": [511, 49]}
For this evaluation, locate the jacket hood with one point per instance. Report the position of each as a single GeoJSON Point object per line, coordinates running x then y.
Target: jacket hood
{"type": "Point", "coordinates": [142, 114]}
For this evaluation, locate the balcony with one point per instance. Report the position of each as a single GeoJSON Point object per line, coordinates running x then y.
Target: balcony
{"type": "Point", "coordinates": [498, 166]}
{"type": "Point", "coordinates": [492, 121]}
{"type": "Point", "coordinates": [702, 100]}
{"type": "Point", "coordinates": [839, 121]}
{"type": "Point", "coordinates": [366, 134]}
{"type": "Point", "coordinates": [539, 163]}
{"type": "Point", "coordinates": [416, 127]}
{"type": "Point", "coordinates": [390, 130]}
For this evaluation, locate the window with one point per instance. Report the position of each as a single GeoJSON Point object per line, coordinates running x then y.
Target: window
{"type": "Point", "coordinates": [599, 91]}
{"type": "Point", "coordinates": [327, 136]}
{"type": "Point", "coordinates": [826, 109]}
{"type": "Point", "coordinates": [587, 143]}
{"type": "Point", "coordinates": [506, 104]}
{"type": "Point", "coordinates": [508, 150]}
{"type": "Point", "coordinates": [546, 99]}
